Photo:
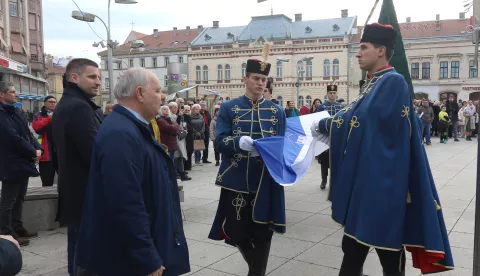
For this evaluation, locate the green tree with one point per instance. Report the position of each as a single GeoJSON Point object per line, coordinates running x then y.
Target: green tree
{"type": "Point", "coordinates": [399, 59]}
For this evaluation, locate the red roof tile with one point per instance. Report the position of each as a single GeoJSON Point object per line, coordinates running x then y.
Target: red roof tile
{"type": "Point", "coordinates": [165, 41]}
{"type": "Point", "coordinates": [448, 27]}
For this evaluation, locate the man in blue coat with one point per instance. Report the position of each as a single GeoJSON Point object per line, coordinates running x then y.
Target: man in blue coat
{"type": "Point", "coordinates": [382, 190]}
{"type": "Point", "coordinates": [132, 223]}
{"type": "Point", "coordinates": [332, 107]}
{"type": "Point", "coordinates": [252, 205]}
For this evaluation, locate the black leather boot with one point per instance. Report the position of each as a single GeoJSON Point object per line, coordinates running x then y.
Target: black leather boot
{"type": "Point", "coordinates": [260, 259]}
{"type": "Point", "coordinates": [247, 253]}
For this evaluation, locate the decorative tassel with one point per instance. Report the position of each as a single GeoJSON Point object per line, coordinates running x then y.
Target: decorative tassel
{"type": "Point", "coordinates": [409, 198]}
{"type": "Point", "coordinates": [437, 206]}
{"type": "Point", "coordinates": [266, 51]}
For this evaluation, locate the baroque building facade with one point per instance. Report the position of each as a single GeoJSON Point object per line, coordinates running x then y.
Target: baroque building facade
{"type": "Point", "coordinates": [309, 54]}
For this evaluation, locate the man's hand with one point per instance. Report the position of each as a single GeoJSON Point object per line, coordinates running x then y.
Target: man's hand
{"type": "Point", "coordinates": [10, 238]}
{"type": "Point", "coordinates": [159, 272]}
{"type": "Point", "coordinates": [246, 143]}
{"type": "Point", "coordinates": [324, 138]}
{"type": "Point", "coordinates": [39, 154]}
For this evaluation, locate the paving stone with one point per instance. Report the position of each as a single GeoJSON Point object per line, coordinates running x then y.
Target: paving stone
{"type": "Point", "coordinates": [334, 239]}
{"type": "Point", "coordinates": [210, 272]}
{"type": "Point", "coordinates": [373, 267]}
{"type": "Point", "coordinates": [324, 221]}
{"type": "Point", "coordinates": [204, 254]}
{"type": "Point", "coordinates": [462, 257]}
{"type": "Point", "coordinates": [306, 232]}
{"type": "Point", "coordinates": [311, 207]}
{"type": "Point", "coordinates": [193, 269]}
{"type": "Point", "coordinates": [324, 255]}
{"type": "Point", "coordinates": [294, 217]}
{"type": "Point", "coordinates": [194, 202]}
{"type": "Point", "coordinates": [37, 265]}
{"type": "Point", "coordinates": [52, 246]}
{"type": "Point", "coordinates": [465, 226]}
{"type": "Point", "coordinates": [462, 240]}
{"type": "Point", "coordinates": [456, 272]}
{"type": "Point", "coordinates": [298, 268]}
{"type": "Point", "coordinates": [199, 215]}
{"type": "Point", "coordinates": [288, 248]}
{"type": "Point", "coordinates": [235, 264]}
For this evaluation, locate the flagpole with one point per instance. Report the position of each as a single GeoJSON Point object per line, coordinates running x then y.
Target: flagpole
{"type": "Point", "coordinates": [371, 12]}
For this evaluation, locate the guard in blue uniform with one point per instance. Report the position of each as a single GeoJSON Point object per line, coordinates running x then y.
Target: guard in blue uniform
{"type": "Point", "coordinates": [252, 205]}
{"type": "Point", "coordinates": [332, 106]}
{"type": "Point", "coordinates": [382, 190]}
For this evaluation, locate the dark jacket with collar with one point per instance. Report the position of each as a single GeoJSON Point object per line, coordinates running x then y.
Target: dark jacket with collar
{"type": "Point", "coordinates": [132, 222]}
{"type": "Point", "coordinates": [18, 147]}
{"type": "Point", "coordinates": [75, 124]}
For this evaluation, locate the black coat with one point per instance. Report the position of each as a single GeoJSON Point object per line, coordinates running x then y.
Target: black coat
{"type": "Point", "coordinates": [452, 110]}
{"type": "Point", "coordinates": [18, 147]}
{"type": "Point", "coordinates": [75, 124]}
{"type": "Point", "coordinates": [209, 119]}
{"type": "Point", "coordinates": [190, 134]}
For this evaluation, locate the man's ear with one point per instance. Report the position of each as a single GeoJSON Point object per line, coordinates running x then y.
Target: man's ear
{"type": "Point", "coordinates": [139, 94]}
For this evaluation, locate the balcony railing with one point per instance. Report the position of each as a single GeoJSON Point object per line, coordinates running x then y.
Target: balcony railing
{"type": "Point", "coordinates": [16, 25]}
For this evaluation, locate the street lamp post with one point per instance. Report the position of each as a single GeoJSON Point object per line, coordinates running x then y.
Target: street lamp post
{"type": "Point", "coordinates": [89, 17]}
{"type": "Point", "coordinates": [297, 84]}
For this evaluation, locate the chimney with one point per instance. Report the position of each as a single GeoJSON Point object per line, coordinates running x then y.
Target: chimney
{"type": "Point", "coordinates": [298, 17]}
{"type": "Point", "coordinates": [200, 28]}
{"type": "Point", "coordinates": [462, 15]}
{"type": "Point", "coordinates": [344, 13]}
{"type": "Point", "coordinates": [188, 30]}
{"type": "Point", "coordinates": [174, 31]}
{"type": "Point", "coordinates": [438, 17]}
{"type": "Point", "coordinates": [155, 32]}
{"type": "Point", "coordinates": [216, 24]}
{"type": "Point", "coordinates": [409, 19]}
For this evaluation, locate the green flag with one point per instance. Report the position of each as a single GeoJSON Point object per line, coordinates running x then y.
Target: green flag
{"type": "Point", "coordinates": [399, 59]}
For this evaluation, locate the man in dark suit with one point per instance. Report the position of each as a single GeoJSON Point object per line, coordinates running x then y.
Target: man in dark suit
{"type": "Point", "coordinates": [19, 151]}
{"type": "Point", "coordinates": [208, 119]}
{"type": "Point", "coordinates": [132, 222]}
{"type": "Point", "coordinates": [75, 125]}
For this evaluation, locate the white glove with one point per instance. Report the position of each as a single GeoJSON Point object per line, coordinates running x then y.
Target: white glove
{"type": "Point", "coordinates": [314, 129]}
{"type": "Point", "coordinates": [324, 138]}
{"type": "Point", "coordinates": [246, 143]}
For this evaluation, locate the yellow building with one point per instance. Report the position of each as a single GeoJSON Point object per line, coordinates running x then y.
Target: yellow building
{"type": "Point", "coordinates": [309, 54]}
{"type": "Point", "coordinates": [440, 55]}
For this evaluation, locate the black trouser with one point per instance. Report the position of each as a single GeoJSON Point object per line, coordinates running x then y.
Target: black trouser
{"type": "Point", "coordinates": [207, 142]}
{"type": "Point", "coordinates": [252, 239]}
{"type": "Point", "coordinates": [11, 203]}
{"type": "Point", "coordinates": [47, 172]}
{"type": "Point", "coordinates": [324, 160]}
{"type": "Point", "coordinates": [217, 153]}
{"type": "Point", "coordinates": [355, 254]}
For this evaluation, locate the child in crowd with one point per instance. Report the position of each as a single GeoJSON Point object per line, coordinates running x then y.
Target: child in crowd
{"type": "Point", "coordinates": [443, 121]}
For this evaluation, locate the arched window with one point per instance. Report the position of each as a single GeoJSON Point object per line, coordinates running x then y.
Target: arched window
{"type": "Point", "coordinates": [227, 98]}
{"type": "Point", "coordinates": [326, 68]}
{"type": "Point", "coordinates": [300, 101]}
{"type": "Point", "coordinates": [220, 72]}
{"type": "Point", "coordinates": [244, 70]}
{"type": "Point", "coordinates": [198, 73]}
{"type": "Point", "coordinates": [309, 68]}
{"type": "Point", "coordinates": [279, 69]}
{"type": "Point", "coordinates": [309, 100]}
{"type": "Point", "coordinates": [280, 100]}
{"type": "Point", "coordinates": [220, 99]}
{"type": "Point", "coordinates": [300, 69]}
{"type": "Point", "coordinates": [227, 72]}
{"type": "Point", "coordinates": [205, 73]}
{"type": "Point", "coordinates": [336, 68]}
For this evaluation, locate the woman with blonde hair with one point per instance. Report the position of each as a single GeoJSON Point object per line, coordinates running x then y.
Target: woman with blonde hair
{"type": "Point", "coordinates": [168, 130]}
{"type": "Point", "coordinates": [198, 125]}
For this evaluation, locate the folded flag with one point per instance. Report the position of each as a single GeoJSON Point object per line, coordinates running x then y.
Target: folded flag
{"type": "Point", "coordinates": [288, 157]}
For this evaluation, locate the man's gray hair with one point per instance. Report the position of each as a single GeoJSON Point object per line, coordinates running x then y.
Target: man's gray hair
{"type": "Point", "coordinates": [196, 106]}
{"type": "Point", "coordinates": [130, 80]}
{"type": "Point", "coordinates": [171, 104]}
{"type": "Point", "coordinates": [4, 86]}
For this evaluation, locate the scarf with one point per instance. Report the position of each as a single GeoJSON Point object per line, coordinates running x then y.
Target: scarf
{"type": "Point", "coordinates": [156, 130]}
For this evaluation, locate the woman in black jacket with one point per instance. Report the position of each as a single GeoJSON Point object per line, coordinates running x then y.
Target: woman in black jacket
{"type": "Point", "coordinates": [189, 139]}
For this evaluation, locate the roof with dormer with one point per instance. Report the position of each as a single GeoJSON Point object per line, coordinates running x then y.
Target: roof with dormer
{"type": "Point", "coordinates": [276, 27]}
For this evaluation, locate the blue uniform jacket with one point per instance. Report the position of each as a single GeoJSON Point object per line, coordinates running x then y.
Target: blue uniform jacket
{"type": "Point", "coordinates": [382, 190]}
{"type": "Point", "coordinates": [132, 222]}
{"type": "Point", "coordinates": [332, 109]}
{"type": "Point", "coordinates": [243, 173]}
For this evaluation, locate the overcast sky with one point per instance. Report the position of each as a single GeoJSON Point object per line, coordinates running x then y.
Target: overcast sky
{"type": "Point", "coordinates": [65, 36]}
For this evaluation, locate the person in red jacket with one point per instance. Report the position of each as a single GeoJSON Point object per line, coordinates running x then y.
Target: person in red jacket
{"type": "Point", "coordinates": [42, 125]}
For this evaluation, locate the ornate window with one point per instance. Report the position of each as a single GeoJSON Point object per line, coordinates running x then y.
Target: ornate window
{"type": "Point", "coordinates": [444, 70]}
{"type": "Point", "coordinates": [279, 69]}
{"type": "Point", "coordinates": [309, 69]}
{"type": "Point", "coordinates": [198, 73]}
{"type": "Point", "coordinates": [326, 68]}
{"type": "Point", "coordinates": [472, 70]}
{"type": "Point", "coordinates": [244, 70]}
{"type": "Point", "coordinates": [426, 70]}
{"type": "Point", "coordinates": [415, 71]}
{"type": "Point", "coordinates": [227, 72]}
{"type": "Point", "coordinates": [300, 101]}
{"type": "Point", "coordinates": [300, 69]}
{"type": "Point", "coordinates": [336, 68]}
{"type": "Point", "coordinates": [280, 100]}
{"type": "Point", "coordinates": [309, 100]}
{"type": "Point", "coordinates": [205, 73]}
{"type": "Point", "coordinates": [455, 70]}
{"type": "Point", "coordinates": [220, 72]}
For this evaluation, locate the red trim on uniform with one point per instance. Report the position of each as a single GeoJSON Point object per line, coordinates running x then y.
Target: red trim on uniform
{"type": "Point", "coordinates": [381, 69]}
{"type": "Point", "coordinates": [384, 25]}
{"type": "Point", "coordinates": [426, 261]}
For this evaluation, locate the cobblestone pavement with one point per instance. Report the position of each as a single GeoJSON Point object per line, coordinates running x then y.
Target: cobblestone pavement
{"type": "Point", "coordinates": [311, 245]}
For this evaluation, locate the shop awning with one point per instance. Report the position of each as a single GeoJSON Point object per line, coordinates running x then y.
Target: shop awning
{"type": "Point", "coordinates": [32, 77]}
